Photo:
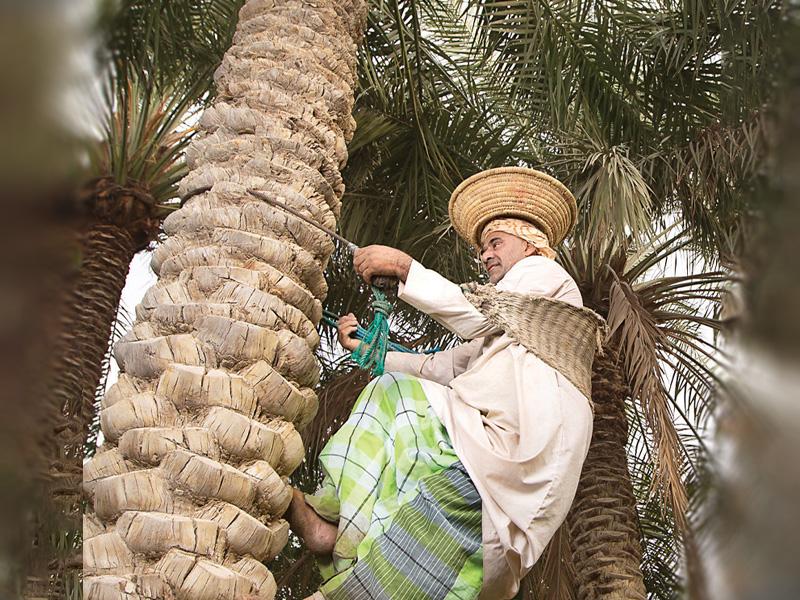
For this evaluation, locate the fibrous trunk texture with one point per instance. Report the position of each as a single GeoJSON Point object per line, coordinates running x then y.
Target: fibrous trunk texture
{"type": "Point", "coordinates": [106, 250]}
{"type": "Point", "coordinates": [217, 373]}
{"type": "Point", "coordinates": [603, 523]}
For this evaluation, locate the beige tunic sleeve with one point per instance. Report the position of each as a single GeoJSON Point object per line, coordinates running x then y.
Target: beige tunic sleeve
{"type": "Point", "coordinates": [441, 367]}
{"type": "Point", "coordinates": [443, 300]}
{"type": "Point", "coordinates": [450, 307]}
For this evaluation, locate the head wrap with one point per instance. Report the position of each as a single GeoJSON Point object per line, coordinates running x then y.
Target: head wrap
{"type": "Point", "coordinates": [521, 229]}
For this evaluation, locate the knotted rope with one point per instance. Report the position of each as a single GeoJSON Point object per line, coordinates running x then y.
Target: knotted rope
{"type": "Point", "coordinates": [371, 352]}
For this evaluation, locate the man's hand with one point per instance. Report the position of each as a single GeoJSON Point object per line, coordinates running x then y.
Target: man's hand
{"type": "Point", "coordinates": [347, 325]}
{"type": "Point", "coordinates": [381, 260]}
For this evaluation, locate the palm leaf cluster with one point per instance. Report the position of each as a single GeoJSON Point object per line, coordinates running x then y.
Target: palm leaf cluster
{"type": "Point", "coordinates": [641, 106]}
{"type": "Point", "coordinates": [158, 59]}
{"type": "Point", "coordinates": [166, 41]}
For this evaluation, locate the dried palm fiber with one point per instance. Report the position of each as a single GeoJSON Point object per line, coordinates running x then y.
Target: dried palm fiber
{"type": "Point", "coordinates": [108, 554]}
{"type": "Point", "coordinates": [512, 192]}
{"type": "Point", "coordinates": [92, 527]}
{"type": "Point", "coordinates": [201, 428]}
{"type": "Point", "coordinates": [561, 335]}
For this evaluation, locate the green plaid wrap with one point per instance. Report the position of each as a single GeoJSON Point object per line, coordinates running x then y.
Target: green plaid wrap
{"type": "Point", "coordinates": [409, 516]}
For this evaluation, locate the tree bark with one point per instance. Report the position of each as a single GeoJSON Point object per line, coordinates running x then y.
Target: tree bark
{"type": "Point", "coordinates": [217, 373]}
{"type": "Point", "coordinates": [105, 250]}
{"type": "Point", "coordinates": [603, 522]}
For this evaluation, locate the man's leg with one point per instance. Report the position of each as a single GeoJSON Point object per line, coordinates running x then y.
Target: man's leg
{"type": "Point", "coordinates": [375, 464]}
{"type": "Point", "coordinates": [318, 534]}
{"type": "Point", "coordinates": [431, 551]}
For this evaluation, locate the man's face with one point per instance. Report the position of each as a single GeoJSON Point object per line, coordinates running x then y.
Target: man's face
{"type": "Point", "coordinates": [501, 251]}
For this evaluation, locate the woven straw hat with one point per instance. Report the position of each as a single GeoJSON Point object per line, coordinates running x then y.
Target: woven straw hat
{"type": "Point", "coordinates": [512, 192]}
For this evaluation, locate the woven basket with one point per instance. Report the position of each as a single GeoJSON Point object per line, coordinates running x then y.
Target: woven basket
{"type": "Point", "coordinates": [561, 335]}
{"type": "Point", "coordinates": [512, 192]}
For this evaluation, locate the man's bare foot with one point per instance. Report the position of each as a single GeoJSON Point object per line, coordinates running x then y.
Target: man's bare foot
{"type": "Point", "coordinates": [318, 534]}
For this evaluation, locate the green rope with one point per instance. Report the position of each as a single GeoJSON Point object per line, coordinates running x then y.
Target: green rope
{"type": "Point", "coordinates": [371, 352]}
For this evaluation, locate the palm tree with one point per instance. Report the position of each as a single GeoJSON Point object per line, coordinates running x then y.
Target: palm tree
{"type": "Point", "coordinates": [645, 111]}
{"type": "Point", "coordinates": [154, 79]}
{"type": "Point", "coordinates": [218, 371]}
{"type": "Point", "coordinates": [658, 324]}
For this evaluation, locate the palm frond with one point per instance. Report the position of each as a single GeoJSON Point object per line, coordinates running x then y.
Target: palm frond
{"type": "Point", "coordinates": [653, 87]}
{"type": "Point", "coordinates": [613, 197]}
{"type": "Point", "coordinates": [666, 327]}
{"type": "Point", "coordinates": [156, 61]}
{"type": "Point", "coordinates": [591, 263]}
{"type": "Point", "coordinates": [165, 41]}
{"type": "Point", "coordinates": [639, 339]}
{"type": "Point", "coordinates": [561, 59]}
{"type": "Point", "coordinates": [145, 136]}
{"type": "Point", "coordinates": [553, 575]}
{"type": "Point", "coordinates": [709, 176]}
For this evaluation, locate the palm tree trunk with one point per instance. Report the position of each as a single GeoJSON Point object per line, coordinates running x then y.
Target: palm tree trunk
{"type": "Point", "coordinates": [202, 426]}
{"type": "Point", "coordinates": [106, 247]}
{"type": "Point", "coordinates": [603, 522]}
{"type": "Point", "coordinates": [106, 253]}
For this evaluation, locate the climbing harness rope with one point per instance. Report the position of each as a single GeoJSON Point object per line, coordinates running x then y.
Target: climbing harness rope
{"type": "Point", "coordinates": [371, 352]}
{"type": "Point", "coordinates": [331, 319]}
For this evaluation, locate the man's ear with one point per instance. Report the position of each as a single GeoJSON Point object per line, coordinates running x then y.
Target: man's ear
{"type": "Point", "coordinates": [530, 249]}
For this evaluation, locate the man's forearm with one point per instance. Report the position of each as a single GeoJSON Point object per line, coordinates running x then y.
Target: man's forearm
{"type": "Point", "coordinates": [441, 366]}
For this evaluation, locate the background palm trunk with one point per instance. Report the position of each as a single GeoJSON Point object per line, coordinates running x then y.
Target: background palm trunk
{"type": "Point", "coordinates": [216, 374]}
{"type": "Point", "coordinates": [105, 248]}
{"type": "Point", "coordinates": [603, 523]}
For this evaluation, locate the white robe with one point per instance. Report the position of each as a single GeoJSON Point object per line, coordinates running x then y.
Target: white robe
{"type": "Point", "coordinates": [520, 428]}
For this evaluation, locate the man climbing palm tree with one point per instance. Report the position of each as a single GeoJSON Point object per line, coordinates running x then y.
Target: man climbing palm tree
{"type": "Point", "coordinates": [455, 469]}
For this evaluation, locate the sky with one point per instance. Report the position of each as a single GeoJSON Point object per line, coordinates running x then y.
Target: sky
{"type": "Point", "coordinates": [140, 279]}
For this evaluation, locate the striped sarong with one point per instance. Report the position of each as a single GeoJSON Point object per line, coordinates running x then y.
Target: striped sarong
{"type": "Point", "coordinates": [409, 516]}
